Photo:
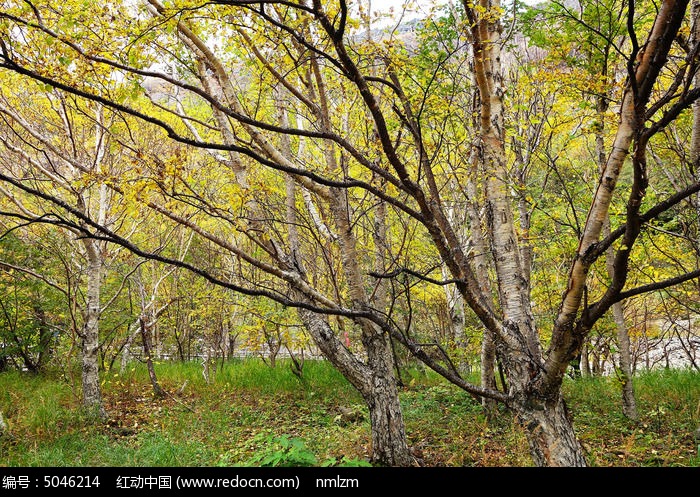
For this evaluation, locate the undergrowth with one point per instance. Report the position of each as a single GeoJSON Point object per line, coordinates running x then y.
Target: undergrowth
{"type": "Point", "coordinates": [248, 414]}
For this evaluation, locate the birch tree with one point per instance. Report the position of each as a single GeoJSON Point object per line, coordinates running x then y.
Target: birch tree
{"type": "Point", "coordinates": [70, 170]}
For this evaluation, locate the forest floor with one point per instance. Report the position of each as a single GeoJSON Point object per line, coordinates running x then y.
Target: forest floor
{"type": "Point", "coordinates": [274, 419]}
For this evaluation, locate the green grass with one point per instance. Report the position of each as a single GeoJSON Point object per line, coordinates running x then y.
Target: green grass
{"type": "Point", "coordinates": [668, 402]}
{"type": "Point", "coordinates": [251, 414]}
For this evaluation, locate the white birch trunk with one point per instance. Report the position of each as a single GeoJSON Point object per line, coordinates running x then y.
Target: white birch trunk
{"type": "Point", "coordinates": [94, 251]}
{"type": "Point", "coordinates": [549, 431]}
{"type": "Point", "coordinates": [92, 396]}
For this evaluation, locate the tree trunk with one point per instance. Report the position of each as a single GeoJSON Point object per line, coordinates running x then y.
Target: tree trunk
{"type": "Point", "coordinates": [550, 434]}
{"type": "Point", "coordinates": [126, 351]}
{"type": "Point", "coordinates": [629, 402]}
{"type": "Point", "coordinates": [544, 417]}
{"type": "Point", "coordinates": [455, 308]}
{"type": "Point", "coordinates": [379, 386]}
{"type": "Point", "coordinates": [92, 396]}
{"type": "Point", "coordinates": [376, 383]}
{"type": "Point", "coordinates": [389, 446]}
{"type": "Point", "coordinates": [695, 133]}
{"type": "Point", "coordinates": [488, 370]}
{"type": "Point", "coordinates": [540, 410]}
{"type": "Point", "coordinates": [585, 363]}
{"type": "Point", "coordinates": [481, 263]}
{"type": "Point", "coordinates": [455, 302]}
{"type": "Point", "coordinates": [158, 391]}
{"type": "Point", "coordinates": [45, 338]}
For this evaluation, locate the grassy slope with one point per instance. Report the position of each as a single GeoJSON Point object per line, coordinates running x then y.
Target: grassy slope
{"type": "Point", "coordinates": [250, 414]}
